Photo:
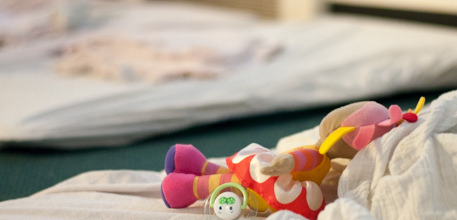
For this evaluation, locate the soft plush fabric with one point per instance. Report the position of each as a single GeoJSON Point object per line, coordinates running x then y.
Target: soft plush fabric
{"type": "Point", "coordinates": [184, 159]}
{"type": "Point", "coordinates": [367, 129]}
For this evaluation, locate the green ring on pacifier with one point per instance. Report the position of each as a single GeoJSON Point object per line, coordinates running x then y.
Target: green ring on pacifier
{"type": "Point", "coordinates": [229, 200]}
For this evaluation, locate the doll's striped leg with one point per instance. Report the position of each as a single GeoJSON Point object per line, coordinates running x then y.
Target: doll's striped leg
{"type": "Point", "coordinates": [203, 186]}
{"type": "Point", "coordinates": [182, 158]}
{"type": "Point", "coordinates": [180, 190]}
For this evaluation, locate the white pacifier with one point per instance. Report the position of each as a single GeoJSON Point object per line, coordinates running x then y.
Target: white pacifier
{"type": "Point", "coordinates": [228, 205]}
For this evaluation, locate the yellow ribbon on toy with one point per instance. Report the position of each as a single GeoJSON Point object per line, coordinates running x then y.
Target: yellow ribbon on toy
{"type": "Point", "coordinates": [333, 138]}
{"type": "Point", "coordinates": [419, 105]}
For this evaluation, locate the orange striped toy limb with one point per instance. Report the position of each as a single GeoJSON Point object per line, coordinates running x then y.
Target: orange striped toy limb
{"type": "Point", "coordinates": [305, 158]}
{"type": "Point", "coordinates": [313, 168]}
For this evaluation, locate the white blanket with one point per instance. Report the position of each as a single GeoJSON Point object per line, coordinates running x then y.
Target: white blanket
{"type": "Point", "coordinates": [332, 59]}
{"type": "Point", "coordinates": [409, 173]}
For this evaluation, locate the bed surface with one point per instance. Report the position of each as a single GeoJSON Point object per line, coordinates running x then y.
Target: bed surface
{"type": "Point", "coordinates": [27, 170]}
{"type": "Point", "coordinates": [122, 193]}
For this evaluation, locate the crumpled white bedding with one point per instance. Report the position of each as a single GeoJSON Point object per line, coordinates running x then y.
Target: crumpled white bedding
{"type": "Point", "coordinates": [332, 59]}
{"type": "Point", "coordinates": [409, 173]}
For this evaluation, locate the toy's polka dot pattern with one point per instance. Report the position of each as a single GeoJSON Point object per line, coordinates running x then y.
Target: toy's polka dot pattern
{"type": "Point", "coordinates": [280, 192]}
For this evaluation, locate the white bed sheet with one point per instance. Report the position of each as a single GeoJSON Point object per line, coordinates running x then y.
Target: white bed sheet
{"type": "Point", "coordinates": [332, 59]}
{"type": "Point", "coordinates": [409, 173]}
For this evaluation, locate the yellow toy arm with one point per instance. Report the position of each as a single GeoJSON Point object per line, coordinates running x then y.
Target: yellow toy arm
{"type": "Point", "coordinates": [333, 138]}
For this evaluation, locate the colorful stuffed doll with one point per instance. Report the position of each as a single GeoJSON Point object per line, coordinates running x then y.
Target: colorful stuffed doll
{"type": "Point", "coordinates": [191, 177]}
{"type": "Point", "coordinates": [288, 180]}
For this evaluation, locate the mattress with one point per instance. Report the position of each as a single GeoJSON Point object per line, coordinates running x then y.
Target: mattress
{"type": "Point", "coordinates": [296, 65]}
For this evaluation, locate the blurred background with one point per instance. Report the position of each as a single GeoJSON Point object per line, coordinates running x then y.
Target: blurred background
{"type": "Point", "coordinates": [95, 85]}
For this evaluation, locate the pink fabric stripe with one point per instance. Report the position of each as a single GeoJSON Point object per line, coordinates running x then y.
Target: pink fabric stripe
{"type": "Point", "coordinates": [203, 186]}
{"type": "Point", "coordinates": [226, 178]}
{"type": "Point", "coordinates": [307, 159]}
{"type": "Point", "coordinates": [211, 168]}
{"type": "Point", "coordinates": [315, 159]}
{"type": "Point", "coordinates": [301, 159]}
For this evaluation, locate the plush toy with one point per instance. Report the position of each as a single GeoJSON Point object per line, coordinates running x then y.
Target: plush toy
{"type": "Point", "coordinates": [288, 180]}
